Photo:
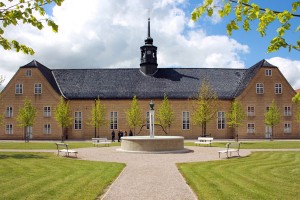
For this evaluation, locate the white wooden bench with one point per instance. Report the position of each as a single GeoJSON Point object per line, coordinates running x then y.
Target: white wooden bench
{"type": "Point", "coordinates": [231, 147]}
{"type": "Point", "coordinates": [62, 147]}
{"type": "Point", "coordinates": [204, 140]}
{"type": "Point", "coordinates": [101, 141]}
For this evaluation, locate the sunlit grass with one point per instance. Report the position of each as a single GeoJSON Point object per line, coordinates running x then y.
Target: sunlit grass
{"type": "Point", "coordinates": [46, 176]}
{"type": "Point", "coordinates": [262, 175]}
{"type": "Point", "coordinates": [257, 144]}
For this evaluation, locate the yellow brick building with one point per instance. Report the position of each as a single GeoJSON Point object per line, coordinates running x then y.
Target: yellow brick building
{"type": "Point", "coordinates": [255, 87]}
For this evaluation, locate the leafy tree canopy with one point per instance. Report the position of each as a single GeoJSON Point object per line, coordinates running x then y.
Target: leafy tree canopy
{"type": "Point", "coordinates": [245, 12]}
{"type": "Point", "coordinates": [134, 117]}
{"type": "Point", "coordinates": [165, 114]}
{"type": "Point", "coordinates": [272, 116]}
{"type": "Point", "coordinates": [62, 113]}
{"type": "Point", "coordinates": [27, 114]}
{"type": "Point", "coordinates": [32, 12]}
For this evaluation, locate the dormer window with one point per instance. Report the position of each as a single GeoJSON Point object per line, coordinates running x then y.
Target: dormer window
{"type": "Point", "coordinates": [37, 88]}
{"type": "Point", "coordinates": [28, 73]}
{"type": "Point", "coordinates": [268, 72]}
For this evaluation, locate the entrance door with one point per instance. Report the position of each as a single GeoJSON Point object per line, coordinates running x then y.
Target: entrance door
{"type": "Point", "coordinates": [268, 132]}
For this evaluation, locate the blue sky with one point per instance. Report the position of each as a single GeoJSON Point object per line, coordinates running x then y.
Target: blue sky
{"type": "Point", "coordinates": [108, 34]}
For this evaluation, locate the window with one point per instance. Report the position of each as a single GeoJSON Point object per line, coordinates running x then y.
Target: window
{"type": "Point", "coordinates": [250, 111]}
{"type": "Point", "coordinates": [77, 120]}
{"type": "Point", "coordinates": [47, 111]}
{"type": "Point", "coordinates": [37, 88]}
{"type": "Point", "coordinates": [278, 88]}
{"type": "Point", "coordinates": [113, 120]}
{"type": "Point", "coordinates": [147, 120]}
{"type": "Point", "coordinates": [9, 112]}
{"type": "Point", "coordinates": [47, 129]}
{"type": "Point", "coordinates": [267, 108]}
{"type": "Point", "coordinates": [185, 120]}
{"type": "Point", "coordinates": [259, 88]}
{"type": "Point", "coordinates": [9, 129]}
{"type": "Point", "coordinates": [28, 73]}
{"type": "Point", "coordinates": [268, 72]}
{"type": "Point", "coordinates": [19, 88]}
{"type": "Point", "coordinates": [221, 120]}
{"type": "Point", "coordinates": [287, 111]}
{"type": "Point", "coordinates": [250, 128]}
{"type": "Point", "coordinates": [287, 128]}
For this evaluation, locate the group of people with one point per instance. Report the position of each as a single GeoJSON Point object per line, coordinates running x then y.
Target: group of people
{"type": "Point", "coordinates": [120, 135]}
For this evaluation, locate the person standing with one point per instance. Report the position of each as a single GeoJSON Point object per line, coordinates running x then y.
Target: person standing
{"type": "Point", "coordinates": [113, 135]}
{"type": "Point", "coordinates": [119, 136]}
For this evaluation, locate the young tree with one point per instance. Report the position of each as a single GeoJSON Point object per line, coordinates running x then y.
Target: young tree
{"type": "Point", "coordinates": [245, 12]}
{"type": "Point", "coordinates": [62, 115]}
{"type": "Point", "coordinates": [97, 118]}
{"type": "Point", "coordinates": [133, 115]}
{"type": "Point", "coordinates": [272, 117]}
{"type": "Point", "coordinates": [236, 117]}
{"type": "Point", "coordinates": [205, 106]}
{"type": "Point", "coordinates": [165, 114]}
{"type": "Point", "coordinates": [26, 117]}
{"type": "Point", "coordinates": [30, 12]}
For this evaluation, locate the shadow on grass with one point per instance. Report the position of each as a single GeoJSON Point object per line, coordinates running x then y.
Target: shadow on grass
{"type": "Point", "coordinates": [22, 156]}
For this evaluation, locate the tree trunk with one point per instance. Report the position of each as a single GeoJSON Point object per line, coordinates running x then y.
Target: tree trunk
{"type": "Point", "coordinates": [62, 134]}
{"type": "Point", "coordinates": [236, 133]}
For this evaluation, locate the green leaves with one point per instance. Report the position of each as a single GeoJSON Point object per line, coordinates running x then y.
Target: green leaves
{"type": "Point", "coordinates": [165, 114]}
{"type": "Point", "coordinates": [133, 115]}
{"type": "Point", "coordinates": [272, 116]}
{"type": "Point", "coordinates": [244, 13]}
{"type": "Point", "coordinates": [62, 113]}
{"type": "Point", "coordinates": [27, 114]}
{"type": "Point", "coordinates": [23, 12]}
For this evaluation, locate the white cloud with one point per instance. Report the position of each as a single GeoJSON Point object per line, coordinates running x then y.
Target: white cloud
{"type": "Point", "coordinates": [110, 33]}
{"type": "Point", "coordinates": [289, 68]}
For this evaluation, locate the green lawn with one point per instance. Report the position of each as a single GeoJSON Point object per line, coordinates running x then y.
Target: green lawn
{"type": "Point", "coordinates": [46, 145]}
{"type": "Point", "coordinates": [262, 175]}
{"type": "Point", "coordinates": [46, 176]}
{"type": "Point", "coordinates": [258, 144]}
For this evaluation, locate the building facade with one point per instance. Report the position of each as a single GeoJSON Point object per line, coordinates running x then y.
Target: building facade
{"type": "Point", "coordinates": [255, 88]}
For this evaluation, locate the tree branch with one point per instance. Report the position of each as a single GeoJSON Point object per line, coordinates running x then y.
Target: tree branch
{"type": "Point", "coordinates": [262, 9]}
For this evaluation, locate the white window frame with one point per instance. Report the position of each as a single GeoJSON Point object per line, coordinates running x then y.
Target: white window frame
{"type": "Point", "coordinates": [47, 129]}
{"type": "Point", "coordinates": [250, 128]}
{"type": "Point", "coordinates": [268, 72]}
{"type": "Point", "coordinates": [28, 73]}
{"type": "Point", "coordinates": [287, 111]}
{"type": "Point", "coordinates": [221, 120]}
{"type": "Point", "coordinates": [278, 88]}
{"type": "Point", "coordinates": [185, 120]}
{"type": "Point", "coordinates": [9, 112]}
{"type": "Point", "coordinates": [47, 111]}
{"type": "Point", "coordinates": [37, 88]}
{"type": "Point", "coordinates": [114, 120]}
{"type": "Point", "coordinates": [259, 88]}
{"type": "Point", "coordinates": [9, 129]}
{"type": "Point", "coordinates": [287, 127]}
{"type": "Point", "coordinates": [19, 88]}
{"type": "Point", "coordinates": [250, 111]}
{"type": "Point", "coordinates": [78, 120]}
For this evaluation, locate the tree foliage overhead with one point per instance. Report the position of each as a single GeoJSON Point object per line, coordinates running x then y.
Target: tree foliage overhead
{"type": "Point", "coordinates": [97, 118]}
{"type": "Point", "coordinates": [165, 114]}
{"type": "Point", "coordinates": [205, 106]}
{"type": "Point", "coordinates": [133, 115]}
{"type": "Point", "coordinates": [15, 12]}
{"type": "Point", "coordinates": [245, 12]}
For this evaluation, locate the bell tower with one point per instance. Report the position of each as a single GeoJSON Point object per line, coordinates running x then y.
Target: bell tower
{"type": "Point", "coordinates": [148, 55]}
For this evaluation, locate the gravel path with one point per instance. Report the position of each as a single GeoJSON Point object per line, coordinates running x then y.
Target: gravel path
{"type": "Point", "coordinates": [150, 176]}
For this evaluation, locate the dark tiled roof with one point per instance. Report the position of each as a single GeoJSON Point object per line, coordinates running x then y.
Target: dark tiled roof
{"type": "Point", "coordinates": [47, 73]}
{"type": "Point", "coordinates": [177, 83]}
{"type": "Point", "coordinates": [249, 75]}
